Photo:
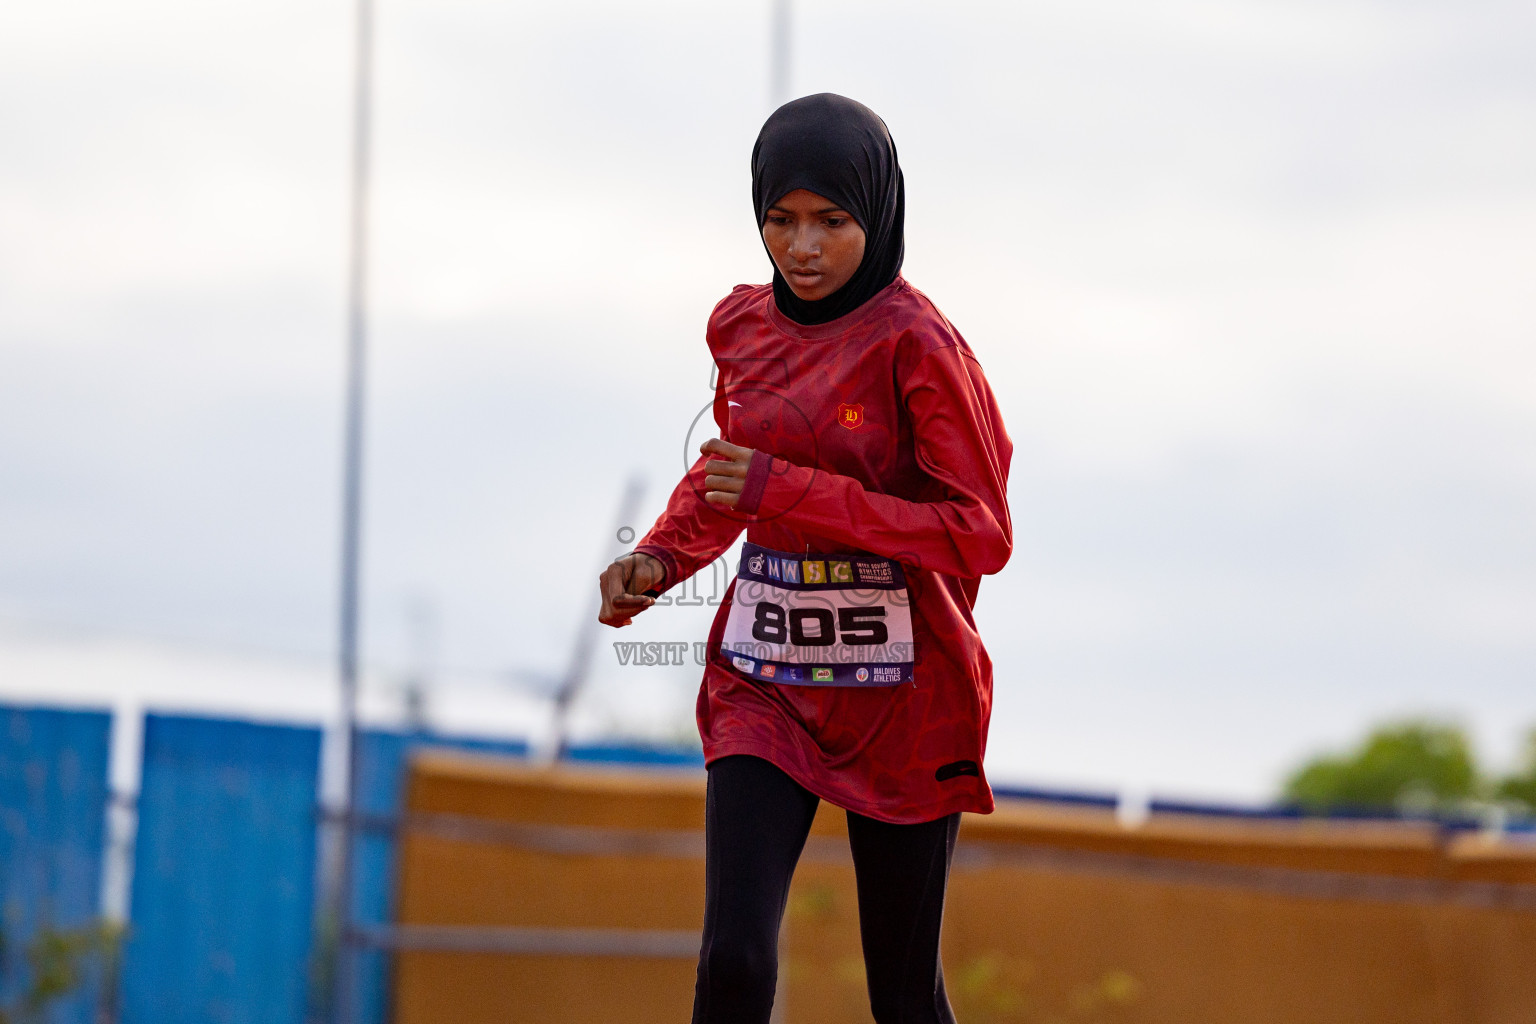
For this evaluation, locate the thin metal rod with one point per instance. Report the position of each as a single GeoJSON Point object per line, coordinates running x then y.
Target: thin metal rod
{"type": "Point", "coordinates": [352, 493]}
{"type": "Point", "coordinates": [778, 62]}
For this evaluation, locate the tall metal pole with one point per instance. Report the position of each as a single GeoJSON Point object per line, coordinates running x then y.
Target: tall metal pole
{"type": "Point", "coordinates": [352, 492]}
{"type": "Point", "coordinates": [778, 64]}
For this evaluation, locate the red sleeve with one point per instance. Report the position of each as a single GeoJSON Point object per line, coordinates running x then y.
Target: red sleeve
{"type": "Point", "coordinates": [691, 533]}
{"type": "Point", "coordinates": [961, 446]}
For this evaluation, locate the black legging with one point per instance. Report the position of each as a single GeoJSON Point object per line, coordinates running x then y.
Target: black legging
{"type": "Point", "coordinates": [756, 820]}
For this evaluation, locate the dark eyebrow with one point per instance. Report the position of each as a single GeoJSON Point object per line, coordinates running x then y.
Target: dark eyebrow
{"type": "Point", "coordinates": [825, 209]}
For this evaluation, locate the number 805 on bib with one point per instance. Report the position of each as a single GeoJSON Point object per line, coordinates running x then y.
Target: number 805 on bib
{"type": "Point", "coordinates": [813, 627]}
{"type": "Point", "coordinates": [827, 620]}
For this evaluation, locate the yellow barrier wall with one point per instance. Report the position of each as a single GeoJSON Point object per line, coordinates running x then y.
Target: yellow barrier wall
{"type": "Point", "coordinates": [1054, 915]}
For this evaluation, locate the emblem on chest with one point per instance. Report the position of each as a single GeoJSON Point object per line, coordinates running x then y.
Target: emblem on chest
{"type": "Point", "coordinates": [850, 416]}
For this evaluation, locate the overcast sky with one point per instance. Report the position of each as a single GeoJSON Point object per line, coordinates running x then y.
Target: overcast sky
{"type": "Point", "coordinates": [1252, 281]}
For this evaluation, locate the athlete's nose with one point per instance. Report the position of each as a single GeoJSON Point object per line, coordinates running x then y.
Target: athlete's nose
{"type": "Point", "coordinates": [802, 248]}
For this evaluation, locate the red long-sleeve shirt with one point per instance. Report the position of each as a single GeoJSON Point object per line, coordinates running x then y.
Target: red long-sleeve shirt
{"type": "Point", "coordinates": [876, 432]}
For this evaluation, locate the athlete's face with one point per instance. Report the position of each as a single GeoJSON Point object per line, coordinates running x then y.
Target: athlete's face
{"type": "Point", "coordinates": [816, 244]}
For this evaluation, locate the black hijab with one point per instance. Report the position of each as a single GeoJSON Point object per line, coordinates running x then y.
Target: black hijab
{"type": "Point", "coordinates": [839, 149]}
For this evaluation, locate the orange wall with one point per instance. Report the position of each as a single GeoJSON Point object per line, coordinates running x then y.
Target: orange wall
{"type": "Point", "coordinates": [1054, 915]}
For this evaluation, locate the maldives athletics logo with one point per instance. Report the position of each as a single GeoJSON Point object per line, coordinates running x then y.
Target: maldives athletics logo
{"type": "Point", "coordinates": [850, 416]}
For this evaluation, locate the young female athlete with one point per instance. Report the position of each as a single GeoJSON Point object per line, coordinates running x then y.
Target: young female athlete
{"type": "Point", "coordinates": [861, 449]}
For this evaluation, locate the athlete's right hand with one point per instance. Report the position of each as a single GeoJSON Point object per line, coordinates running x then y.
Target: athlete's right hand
{"type": "Point", "coordinates": [623, 585]}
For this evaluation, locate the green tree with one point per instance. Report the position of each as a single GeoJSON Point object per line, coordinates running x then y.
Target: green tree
{"type": "Point", "coordinates": [1418, 764]}
{"type": "Point", "coordinates": [1521, 787]}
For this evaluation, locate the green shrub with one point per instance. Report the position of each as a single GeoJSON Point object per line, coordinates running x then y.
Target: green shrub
{"type": "Point", "coordinates": [1407, 766]}
{"type": "Point", "coordinates": [1520, 787]}
{"type": "Point", "coordinates": [58, 961]}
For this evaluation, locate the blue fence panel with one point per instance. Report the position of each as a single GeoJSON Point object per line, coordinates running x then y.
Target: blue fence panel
{"type": "Point", "coordinates": [1106, 801]}
{"type": "Point", "coordinates": [1450, 821]}
{"type": "Point", "coordinates": [382, 760]}
{"type": "Point", "coordinates": [53, 798]}
{"type": "Point", "coordinates": [1223, 810]}
{"type": "Point", "coordinates": [224, 872]}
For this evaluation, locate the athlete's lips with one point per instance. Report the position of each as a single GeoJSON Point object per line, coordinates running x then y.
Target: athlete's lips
{"type": "Point", "coordinates": [805, 275]}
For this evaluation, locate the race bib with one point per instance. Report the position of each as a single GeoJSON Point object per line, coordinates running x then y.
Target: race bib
{"type": "Point", "coordinates": [820, 620]}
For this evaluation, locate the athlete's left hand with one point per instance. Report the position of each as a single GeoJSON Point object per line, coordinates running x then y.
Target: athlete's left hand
{"type": "Point", "coordinates": [727, 471]}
